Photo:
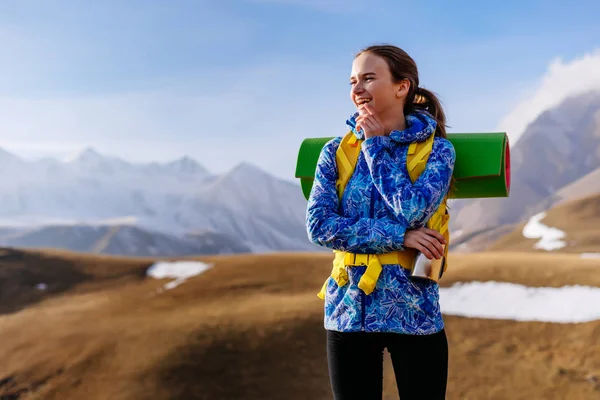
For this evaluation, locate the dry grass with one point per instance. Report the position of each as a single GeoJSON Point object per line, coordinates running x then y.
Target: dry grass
{"type": "Point", "coordinates": [61, 272]}
{"type": "Point", "coordinates": [251, 328]}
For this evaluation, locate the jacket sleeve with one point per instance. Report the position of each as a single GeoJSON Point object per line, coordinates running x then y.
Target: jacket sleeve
{"type": "Point", "coordinates": [412, 204]}
{"type": "Point", "coordinates": [327, 228]}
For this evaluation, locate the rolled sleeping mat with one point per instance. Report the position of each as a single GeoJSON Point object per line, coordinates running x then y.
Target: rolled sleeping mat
{"type": "Point", "coordinates": [482, 167]}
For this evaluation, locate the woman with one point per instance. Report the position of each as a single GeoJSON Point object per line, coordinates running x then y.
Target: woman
{"type": "Point", "coordinates": [382, 211]}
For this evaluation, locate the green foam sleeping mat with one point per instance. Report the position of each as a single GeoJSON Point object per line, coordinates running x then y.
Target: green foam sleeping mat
{"type": "Point", "coordinates": [482, 167]}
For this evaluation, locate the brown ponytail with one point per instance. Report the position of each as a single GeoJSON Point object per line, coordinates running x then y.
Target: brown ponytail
{"type": "Point", "coordinates": [426, 100]}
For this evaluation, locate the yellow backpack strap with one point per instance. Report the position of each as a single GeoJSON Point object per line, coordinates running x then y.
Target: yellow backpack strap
{"type": "Point", "coordinates": [445, 231]}
{"type": "Point", "coordinates": [368, 280]}
{"type": "Point", "coordinates": [338, 273]}
{"type": "Point", "coordinates": [416, 161]}
{"type": "Point", "coordinates": [346, 158]}
{"type": "Point", "coordinates": [418, 154]}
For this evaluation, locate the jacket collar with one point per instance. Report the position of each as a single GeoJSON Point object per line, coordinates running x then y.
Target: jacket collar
{"type": "Point", "coordinates": [419, 126]}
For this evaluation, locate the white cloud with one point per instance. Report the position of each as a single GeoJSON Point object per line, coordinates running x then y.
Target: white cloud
{"type": "Point", "coordinates": [561, 80]}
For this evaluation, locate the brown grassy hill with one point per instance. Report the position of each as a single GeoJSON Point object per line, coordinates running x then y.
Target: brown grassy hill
{"type": "Point", "coordinates": [578, 219]}
{"type": "Point", "coordinates": [588, 185]}
{"type": "Point", "coordinates": [251, 328]}
{"type": "Point", "coordinates": [478, 240]}
{"type": "Point", "coordinates": [60, 272]}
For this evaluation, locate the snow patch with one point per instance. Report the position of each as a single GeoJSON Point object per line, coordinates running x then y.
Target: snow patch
{"type": "Point", "coordinates": [550, 238]}
{"type": "Point", "coordinates": [495, 300]}
{"type": "Point", "coordinates": [590, 255]}
{"type": "Point", "coordinates": [180, 271]}
{"type": "Point", "coordinates": [457, 233]}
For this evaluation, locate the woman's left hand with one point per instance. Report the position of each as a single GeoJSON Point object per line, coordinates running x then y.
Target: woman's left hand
{"type": "Point", "coordinates": [370, 123]}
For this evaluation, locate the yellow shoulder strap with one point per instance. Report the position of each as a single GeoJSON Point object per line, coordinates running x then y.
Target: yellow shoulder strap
{"type": "Point", "coordinates": [346, 158]}
{"type": "Point", "coordinates": [416, 160]}
{"type": "Point", "coordinates": [418, 154]}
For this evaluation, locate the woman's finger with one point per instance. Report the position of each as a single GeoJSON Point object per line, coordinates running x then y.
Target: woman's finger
{"type": "Point", "coordinates": [359, 122]}
{"type": "Point", "coordinates": [418, 242]}
{"type": "Point", "coordinates": [371, 111]}
{"type": "Point", "coordinates": [368, 125]}
{"type": "Point", "coordinates": [433, 232]}
{"type": "Point", "coordinates": [434, 245]}
{"type": "Point", "coordinates": [369, 121]}
{"type": "Point", "coordinates": [423, 247]}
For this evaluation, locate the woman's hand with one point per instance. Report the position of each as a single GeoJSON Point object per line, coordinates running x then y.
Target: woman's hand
{"type": "Point", "coordinates": [369, 122]}
{"type": "Point", "coordinates": [427, 241]}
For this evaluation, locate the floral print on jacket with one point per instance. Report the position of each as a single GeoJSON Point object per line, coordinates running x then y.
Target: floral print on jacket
{"type": "Point", "coordinates": [379, 204]}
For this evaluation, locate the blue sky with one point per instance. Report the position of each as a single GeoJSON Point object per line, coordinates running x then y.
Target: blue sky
{"type": "Point", "coordinates": [228, 81]}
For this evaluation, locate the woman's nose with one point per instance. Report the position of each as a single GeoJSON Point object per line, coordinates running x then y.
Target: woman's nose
{"type": "Point", "coordinates": [357, 88]}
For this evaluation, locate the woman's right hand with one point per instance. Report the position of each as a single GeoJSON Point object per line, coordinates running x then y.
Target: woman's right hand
{"type": "Point", "coordinates": [427, 241]}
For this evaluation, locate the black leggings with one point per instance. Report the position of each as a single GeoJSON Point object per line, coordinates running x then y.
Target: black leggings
{"type": "Point", "coordinates": [356, 364]}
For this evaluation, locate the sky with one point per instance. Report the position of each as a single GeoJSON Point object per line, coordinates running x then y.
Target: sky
{"type": "Point", "coordinates": [231, 81]}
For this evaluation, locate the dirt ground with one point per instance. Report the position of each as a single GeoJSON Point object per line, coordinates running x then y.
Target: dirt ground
{"type": "Point", "coordinates": [251, 328]}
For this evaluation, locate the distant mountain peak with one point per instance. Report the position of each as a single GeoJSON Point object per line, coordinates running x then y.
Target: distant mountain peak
{"type": "Point", "coordinates": [5, 155]}
{"type": "Point", "coordinates": [89, 153]}
{"type": "Point", "coordinates": [246, 168]}
{"type": "Point", "coordinates": [186, 165]}
{"type": "Point", "coordinates": [91, 159]}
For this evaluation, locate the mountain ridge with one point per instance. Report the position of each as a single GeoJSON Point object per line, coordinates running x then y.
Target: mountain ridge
{"type": "Point", "coordinates": [261, 211]}
{"type": "Point", "coordinates": [560, 147]}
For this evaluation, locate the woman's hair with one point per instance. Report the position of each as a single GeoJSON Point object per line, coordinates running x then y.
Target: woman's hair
{"type": "Point", "coordinates": [402, 66]}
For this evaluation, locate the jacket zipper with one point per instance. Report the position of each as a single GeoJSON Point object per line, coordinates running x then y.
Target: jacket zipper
{"type": "Point", "coordinates": [363, 295]}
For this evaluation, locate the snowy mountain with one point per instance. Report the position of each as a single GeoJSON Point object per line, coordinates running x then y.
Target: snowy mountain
{"type": "Point", "coordinates": [561, 147]}
{"type": "Point", "coordinates": [259, 210]}
{"type": "Point", "coordinates": [216, 243]}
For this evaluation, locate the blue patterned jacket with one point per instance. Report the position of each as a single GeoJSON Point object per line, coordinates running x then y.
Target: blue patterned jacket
{"type": "Point", "coordinates": [379, 204]}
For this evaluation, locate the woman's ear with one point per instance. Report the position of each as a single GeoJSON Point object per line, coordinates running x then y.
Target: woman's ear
{"type": "Point", "coordinates": [403, 88]}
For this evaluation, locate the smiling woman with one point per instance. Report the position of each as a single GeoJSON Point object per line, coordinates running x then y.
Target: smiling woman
{"type": "Point", "coordinates": [379, 218]}
{"type": "Point", "coordinates": [372, 71]}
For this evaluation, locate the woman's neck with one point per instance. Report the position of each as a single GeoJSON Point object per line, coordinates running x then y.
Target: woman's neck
{"type": "Point", "coordinates": [393, 121]}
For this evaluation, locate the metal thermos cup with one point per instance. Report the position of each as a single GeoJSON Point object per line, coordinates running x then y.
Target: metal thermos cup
{"type": "Point", "coordinates": [424, 268]}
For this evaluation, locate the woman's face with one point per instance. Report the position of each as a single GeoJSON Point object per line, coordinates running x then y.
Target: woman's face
{"type": "Point", "coordinates": [371, 82]}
